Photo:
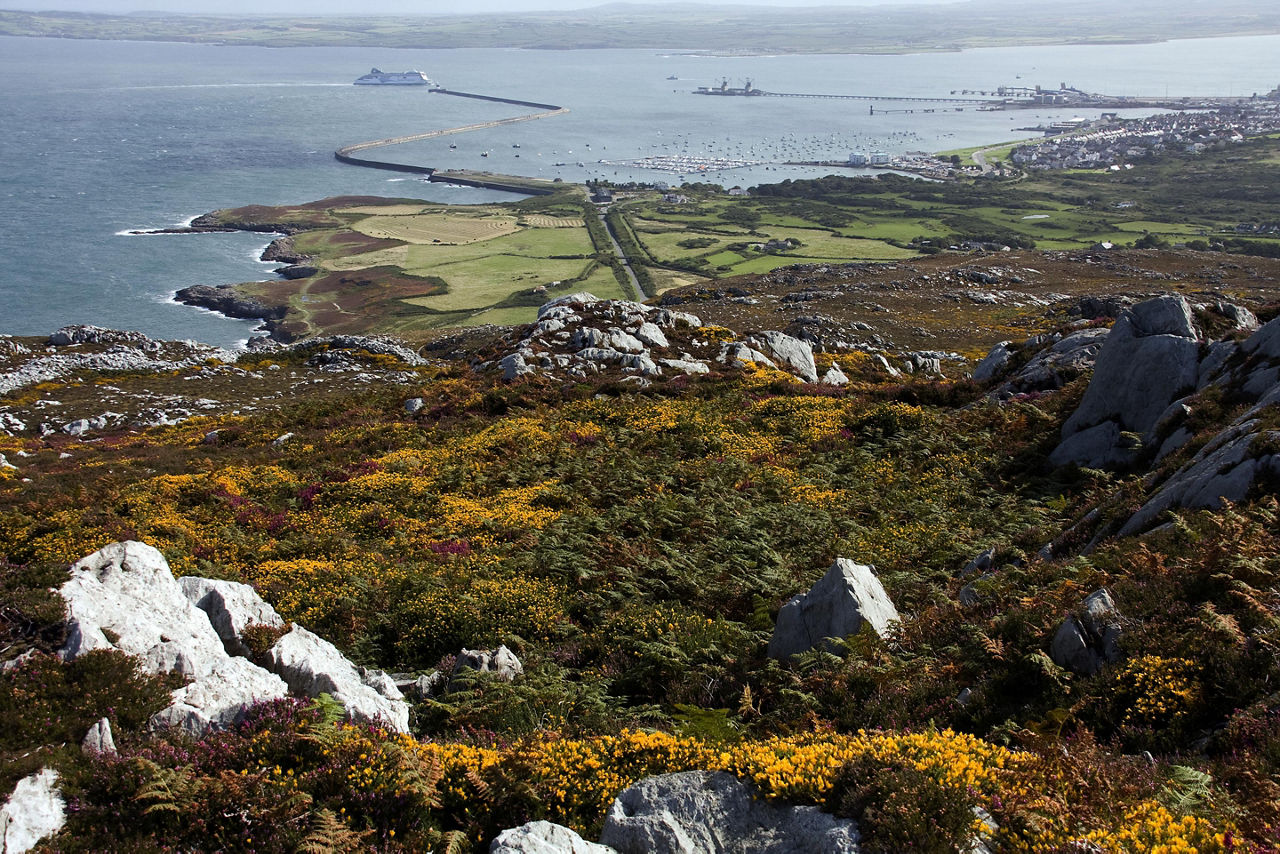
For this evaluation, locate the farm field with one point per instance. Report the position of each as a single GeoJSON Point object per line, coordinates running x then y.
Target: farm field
{"type": "Point", "coordinates": [408, 268]}
{"type": "Point", "coordinates": [417, 268]}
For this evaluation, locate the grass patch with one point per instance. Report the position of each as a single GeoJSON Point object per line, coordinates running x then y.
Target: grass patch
{"type": "Point", "coordinates": [481, 282]}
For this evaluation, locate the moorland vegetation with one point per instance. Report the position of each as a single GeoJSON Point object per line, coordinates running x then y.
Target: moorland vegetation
{"type": "Point", "coordinates": [633, 548]}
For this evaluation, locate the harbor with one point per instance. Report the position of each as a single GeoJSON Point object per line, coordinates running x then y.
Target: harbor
{"type": "Point", "coordinates": [1000, 98]}
{"type": "Point", "coordinates": [467, 178]}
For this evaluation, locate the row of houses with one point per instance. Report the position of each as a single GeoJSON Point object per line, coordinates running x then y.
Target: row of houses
{"type": "Point", "coordinates": [1117, 143]}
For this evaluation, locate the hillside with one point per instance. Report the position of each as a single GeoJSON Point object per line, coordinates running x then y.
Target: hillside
{"type": "Point", "coordinates": [1079, 640]}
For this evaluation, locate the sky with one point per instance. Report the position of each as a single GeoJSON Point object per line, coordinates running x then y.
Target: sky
{"type": "Point", "coordinates": [380, 7]}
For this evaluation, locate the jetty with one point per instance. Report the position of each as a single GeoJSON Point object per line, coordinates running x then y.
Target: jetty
{"type": "Point", "coordinates": [347, 154]}
{"type": "Point", "coordinates": [939, 100]}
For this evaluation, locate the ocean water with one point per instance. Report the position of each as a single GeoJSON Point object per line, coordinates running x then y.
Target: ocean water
{"type": "Point", "coordinates": [104, 137]}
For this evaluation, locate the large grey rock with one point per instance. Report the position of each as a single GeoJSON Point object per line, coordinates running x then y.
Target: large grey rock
{"type": "Point", "coordinates": [996, 360]}
{"type": "Point", "coordinates": [1096, 447]}
{"type": "Point", "coordinates": [652, 335]}
{"type": "Point", "coordinates": [1266, 341]}
{"type": "Point", "coordinates": [231, 608]}
{"type": "Point", "coordinates": [1084, 642]}
{"type": "Point", "coordinates": [543, 837]}
{"type": "Point", "coordinates": [1059, 363]}
{"type": "Point", "coordinates": [1224, 469]}
{"type": "Point", "coordinates": [1149, 359]}
{"type": "Point", "coordinates": [514, 367]}
{"type": "Point", "coordinates": [34, 811]}
{"type": "Point", "coordinates": [837, 606]}
{"type": "Point", "coordinates": [312, 666]}
{"type": "Point", "coordinates": [703, 812]}
{"type": "Point", "coordinates": [795, 354]}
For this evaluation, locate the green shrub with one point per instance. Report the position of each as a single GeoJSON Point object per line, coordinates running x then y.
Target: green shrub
{"type": "Point", "coordinates": [899, 807]}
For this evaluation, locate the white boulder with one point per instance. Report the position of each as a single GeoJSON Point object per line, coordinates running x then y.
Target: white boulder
{"type": "Point", "coordinates": [126, 590]}
{"type": "Point", "coordinates": [313, 666]}
{"type": "Point", "coordinates": [34, 811]}
{"type": "Point", "coordinates": [543, 837]}
{"type": "Point", "coordinates": [221, 697]}
{"type": "Point", "coordinates": [835, 376]}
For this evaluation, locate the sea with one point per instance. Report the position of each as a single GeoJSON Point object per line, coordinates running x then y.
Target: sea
{"type": "Point", "coordinates": [102, 138]}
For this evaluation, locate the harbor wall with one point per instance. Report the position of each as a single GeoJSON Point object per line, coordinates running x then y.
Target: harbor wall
{"type": "Point", "coordinates": [512, 185]}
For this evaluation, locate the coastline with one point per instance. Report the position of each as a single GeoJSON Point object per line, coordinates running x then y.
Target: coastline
{"type": "Point", "coordinates": [803, 33]}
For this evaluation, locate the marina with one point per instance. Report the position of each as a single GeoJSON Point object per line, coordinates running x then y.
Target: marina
{"type": "Point", "coordinates": [681, 165]}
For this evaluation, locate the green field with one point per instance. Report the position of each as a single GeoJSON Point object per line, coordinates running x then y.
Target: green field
{"type": "Point", "coordinates": [1178, 199]}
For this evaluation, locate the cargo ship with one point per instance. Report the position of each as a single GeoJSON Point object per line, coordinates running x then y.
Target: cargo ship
{"type": "Point", "coordinates": [377, 77]}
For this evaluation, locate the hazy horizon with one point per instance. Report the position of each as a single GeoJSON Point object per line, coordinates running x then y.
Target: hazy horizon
{"type": "Point", "coordinates": [395, 7]}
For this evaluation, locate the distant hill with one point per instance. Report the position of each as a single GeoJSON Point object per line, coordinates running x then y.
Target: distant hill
{"type": "Point", "coordinates": [720, 29]}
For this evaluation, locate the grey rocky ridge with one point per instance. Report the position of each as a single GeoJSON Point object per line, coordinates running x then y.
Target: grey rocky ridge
{"type": "Point", "coordinates": [1154, 375]}
{"type": "Point", "coordinates": [578, 336]}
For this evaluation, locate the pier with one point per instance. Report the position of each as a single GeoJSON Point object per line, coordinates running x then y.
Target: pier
{"type": "Point", "coordinates": [939, 100]}
{"type": "Point", "coordinates": [471, 179]}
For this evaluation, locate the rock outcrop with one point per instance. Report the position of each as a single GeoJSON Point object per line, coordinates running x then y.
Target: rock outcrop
{"type": "Point", "coordinates": [1143, 404]}
{"type": "Point", "coordinates": [91, 348]}
{"type": "Point", "coordinates": [848, 596]}
{"type": "Point", "coordinates": [543, 837]}
{"type": "Point", "coordinates": [124, 597]}
{"type": "Point", "coordinates": [1224, 469]}
{"type": "Point", "coordinates": [312, 666]}
{"type": "Point", "coordinates": [231, 608]}
{"type": "Point", "coordinates": [1084, 643]}
{"type": "Point", "coordinates": [1150, 358]}
{"type": "Point", "coordinates": [34, 811]}
{"type": "Point", "coordinates": [703, 812]}
{"type": "Point", "coordinates": [579, 336]}
{"type": "Point", "coordinates": [225, 299]}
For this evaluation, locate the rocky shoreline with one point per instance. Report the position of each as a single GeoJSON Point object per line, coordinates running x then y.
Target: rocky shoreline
{"type": "Point", "coordinates": [225, 299]}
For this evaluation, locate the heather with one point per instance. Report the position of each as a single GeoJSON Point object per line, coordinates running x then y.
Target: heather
{"type": "Point", "coordinates": [633, 547]}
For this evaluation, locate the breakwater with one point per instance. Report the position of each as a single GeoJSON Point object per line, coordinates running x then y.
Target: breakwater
{"type": "Point", "coordinates": [347, 153]}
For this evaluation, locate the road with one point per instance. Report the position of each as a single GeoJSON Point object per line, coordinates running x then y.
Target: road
{"type": "Point", "coordinates": [637, 293]}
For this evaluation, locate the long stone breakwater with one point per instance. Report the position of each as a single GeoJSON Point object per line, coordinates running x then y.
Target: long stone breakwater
{"type": "Point", "coordinates": [347, 153]}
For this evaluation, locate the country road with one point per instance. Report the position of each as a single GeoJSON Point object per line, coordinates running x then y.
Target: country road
{"type": "Point", "coordinates": [637, 293]}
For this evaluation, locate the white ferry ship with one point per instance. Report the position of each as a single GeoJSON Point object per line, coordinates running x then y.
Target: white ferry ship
{"type": "Point", "coordinates": [377, 77]}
